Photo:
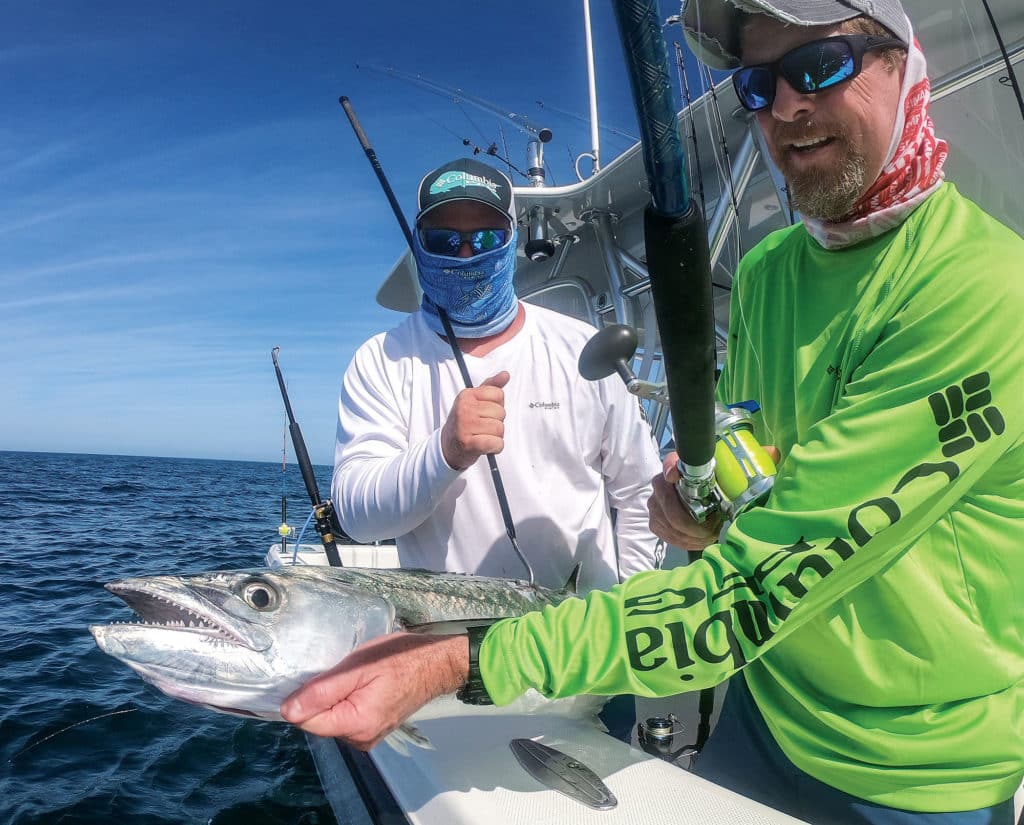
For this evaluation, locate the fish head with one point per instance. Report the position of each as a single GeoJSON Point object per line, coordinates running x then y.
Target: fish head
{"type": "Point", "coordinates": [240, 641]}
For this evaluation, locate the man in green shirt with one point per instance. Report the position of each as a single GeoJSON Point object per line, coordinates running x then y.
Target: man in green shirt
{"type": "Point", "coordinates": [873, 609]}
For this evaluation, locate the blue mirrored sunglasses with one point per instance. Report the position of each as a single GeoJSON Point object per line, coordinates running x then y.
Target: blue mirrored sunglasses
{"type": "Point", "coordinates": [449, 241]}
{"type": "Point", "coordinates": [809, 68]}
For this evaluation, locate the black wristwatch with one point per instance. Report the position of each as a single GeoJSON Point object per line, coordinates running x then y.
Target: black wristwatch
{"type": "Point", "coordinates": [474, 692]}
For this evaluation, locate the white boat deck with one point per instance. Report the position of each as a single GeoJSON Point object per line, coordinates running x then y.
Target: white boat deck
{"type": "Point", "coordinates": [471, 775]}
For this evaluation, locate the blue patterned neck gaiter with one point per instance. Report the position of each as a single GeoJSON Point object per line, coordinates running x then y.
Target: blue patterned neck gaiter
{"type": "Point", "coordinates": [476, 292]}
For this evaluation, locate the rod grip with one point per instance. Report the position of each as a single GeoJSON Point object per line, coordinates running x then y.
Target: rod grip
{"type": "Point", "coordinates": [678, 261]}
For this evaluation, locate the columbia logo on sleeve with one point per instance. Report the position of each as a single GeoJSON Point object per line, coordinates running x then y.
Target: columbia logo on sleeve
{"type": "Point", "coordinates": [966, 415]}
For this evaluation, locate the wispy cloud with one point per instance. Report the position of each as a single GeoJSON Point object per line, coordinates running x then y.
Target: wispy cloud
{"type": "Point", "coordinates": [182, 195]}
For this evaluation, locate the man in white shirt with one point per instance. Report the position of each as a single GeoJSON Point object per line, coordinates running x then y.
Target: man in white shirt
{"type": "Point", "coordinates": [409, 459]}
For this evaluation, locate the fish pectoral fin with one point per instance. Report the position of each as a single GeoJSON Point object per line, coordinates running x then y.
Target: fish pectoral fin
{"type": "Point", "coordinates": [405, 735]}
{"type": "Point", "coordinates": [454, 627]}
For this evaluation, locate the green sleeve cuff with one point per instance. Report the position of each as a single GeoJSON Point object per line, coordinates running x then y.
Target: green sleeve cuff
{"type": "Point", "coordinates": [499, 679]}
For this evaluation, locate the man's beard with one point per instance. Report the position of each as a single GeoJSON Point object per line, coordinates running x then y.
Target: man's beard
{"type": "Point", "coordinates": [828, 194]}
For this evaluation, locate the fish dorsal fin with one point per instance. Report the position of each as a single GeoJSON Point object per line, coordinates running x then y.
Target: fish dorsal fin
{"type": "Point", "coordinates": [572, 585]}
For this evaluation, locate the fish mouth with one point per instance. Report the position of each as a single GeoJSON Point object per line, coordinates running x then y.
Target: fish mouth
{"type": "Point", "coordinates": [168, 603]}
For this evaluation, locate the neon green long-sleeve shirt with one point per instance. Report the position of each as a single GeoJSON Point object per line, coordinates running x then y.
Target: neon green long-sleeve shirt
{"type": "Point", "coordinates": [876, 603]}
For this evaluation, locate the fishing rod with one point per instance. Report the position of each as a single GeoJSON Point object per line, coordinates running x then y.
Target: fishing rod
{"type": "Point", "coordinates": [684, 89]}
{"type": "Point", "coordinates": [492, 150]}
{"type": "Point", "coordinates": [577, 117]}
{"type": "Point", "coordinates": [723, 470]}
{"type": "Point", "coordinates": [726, 165]}
{"type": "Point", "coordinates": [521, 122]}
{"type": "Point", "coordinates": [284, 530]}
{"type": "Point", "coordinates": [499, 487]}
{"type": "Point", "coordinates": [678, 260]}
{"type": "Point", "coordinates": [679, 267]}
{"type": "Point", "coordinates": [323, 511]}
{"type": "Point", "coordinates": [1011, 75]}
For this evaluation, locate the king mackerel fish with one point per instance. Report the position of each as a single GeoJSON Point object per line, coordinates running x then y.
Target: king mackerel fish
{"type": "Point", "coordinates": [240, 641]}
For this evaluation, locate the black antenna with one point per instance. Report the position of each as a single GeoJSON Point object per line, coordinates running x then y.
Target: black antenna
{"type": "Point", "coordinates": [323, 511]}
{"type": "Point", "coordinates": [499, 487]}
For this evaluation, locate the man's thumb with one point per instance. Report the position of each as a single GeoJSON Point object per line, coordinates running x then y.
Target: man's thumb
{"type": "Point", "coordinates": [499, 380]}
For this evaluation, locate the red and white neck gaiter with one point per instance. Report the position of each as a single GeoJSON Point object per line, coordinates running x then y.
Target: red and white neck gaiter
{"type": "Point", "coordinates": [912, 170]}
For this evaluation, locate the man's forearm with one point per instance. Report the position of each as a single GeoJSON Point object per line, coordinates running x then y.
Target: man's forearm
{"type": "Point", "coordinates": [380, 497]}
{"type": "Point", "coordinates": [637, 545]}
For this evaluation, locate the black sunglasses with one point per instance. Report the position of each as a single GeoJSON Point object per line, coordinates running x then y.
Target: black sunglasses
{"type": "Point", "coordinates": [809, 68]}
{"type": "Point", "coordinates": [449, 241]}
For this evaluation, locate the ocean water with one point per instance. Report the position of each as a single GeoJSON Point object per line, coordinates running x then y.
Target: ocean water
{"type": "Point", "coordinates": [69, 523]}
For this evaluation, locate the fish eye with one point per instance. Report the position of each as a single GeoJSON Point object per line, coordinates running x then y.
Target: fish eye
{"type": "Point", "coordinates": [260, 596]}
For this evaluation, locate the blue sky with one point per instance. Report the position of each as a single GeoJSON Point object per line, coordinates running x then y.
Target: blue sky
{"type": "Point", "coordinates": [182, 192]}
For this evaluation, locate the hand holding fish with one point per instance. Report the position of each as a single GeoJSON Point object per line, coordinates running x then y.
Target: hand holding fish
{"type": "Point", "coordinates": [669, 519]}
{"type": "Point", "coordinates": [378, 686]}
{"type": "Point", "coordinates": [475, 424]}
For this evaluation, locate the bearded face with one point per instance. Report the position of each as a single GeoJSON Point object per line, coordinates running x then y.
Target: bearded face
{"type": "Point", "coordinates": [830, 145]}
{"type": "Point", "coordinates": [827, 191]}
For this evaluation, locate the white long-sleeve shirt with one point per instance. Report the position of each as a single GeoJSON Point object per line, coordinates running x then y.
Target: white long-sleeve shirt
{"type": "Point", "coordinates": [573, 450]}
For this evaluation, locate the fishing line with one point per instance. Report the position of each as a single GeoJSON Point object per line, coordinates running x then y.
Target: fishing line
{"type": "Point", "coordinates": [547, 169]}
{"type": "Point", "coordinates": [458, 104]}
{"type": "Point", "coordinates": [69, 727]}
{"type": "Point", "coordinates": [1011, 75]}
{"type": "Point", "coordinates": [440, 123]}
{"type": "Point", "coordinates": [757, 358]}
{"type": "Point", "coordinates": [504, 148]}
{"type": "Point", "coordinates": [298, 541]}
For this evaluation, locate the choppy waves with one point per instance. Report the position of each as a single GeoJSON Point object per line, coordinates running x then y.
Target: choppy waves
{"type": "Point", "coordinates": [69, 523]}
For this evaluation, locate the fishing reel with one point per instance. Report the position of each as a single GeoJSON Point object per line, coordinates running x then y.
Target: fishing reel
{"type": "Point", "coordinates": [743, 472]}
{"type": "Point", "coordinates": [657, 736]}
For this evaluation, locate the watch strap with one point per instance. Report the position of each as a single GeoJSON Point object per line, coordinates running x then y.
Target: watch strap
{"type": "Point", "coordinates": [474, 692]}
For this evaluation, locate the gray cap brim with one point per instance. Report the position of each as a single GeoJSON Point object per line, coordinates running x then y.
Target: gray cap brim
{"type": "Point", "coordinates": [712, 27]}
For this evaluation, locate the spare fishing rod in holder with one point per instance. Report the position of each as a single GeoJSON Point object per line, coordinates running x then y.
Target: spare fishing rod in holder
{"type": "Point", "coordinates": [284, 529]}
{"type": "Point", "coordinates": [323, 511]}
{"type": "Point", "coordinates": [743, 470]}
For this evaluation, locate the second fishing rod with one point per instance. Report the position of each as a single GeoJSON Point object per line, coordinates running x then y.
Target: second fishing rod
{"type": "Point", "coordinates": [499, 487]}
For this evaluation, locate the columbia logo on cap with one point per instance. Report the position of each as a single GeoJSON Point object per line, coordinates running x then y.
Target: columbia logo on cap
{"type": "Point", "coordinates": [456, 178]}
{"type": "Point", "coordinates": [466, 179]}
